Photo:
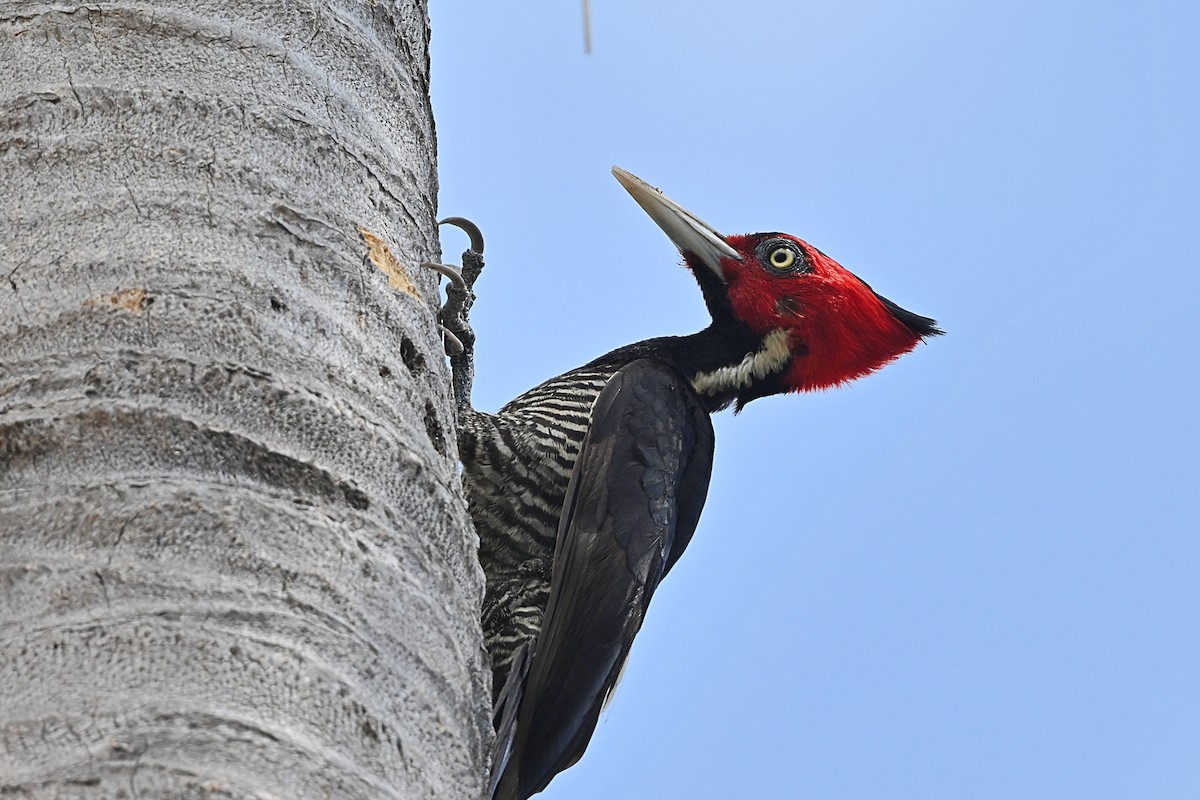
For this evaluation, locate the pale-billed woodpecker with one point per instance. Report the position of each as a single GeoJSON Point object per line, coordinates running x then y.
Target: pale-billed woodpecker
{"type": "Point", "coordinates": [586, 489]}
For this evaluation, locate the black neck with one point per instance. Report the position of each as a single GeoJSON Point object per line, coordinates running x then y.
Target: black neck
{"type": "Point", "coordinates": [721, 344]}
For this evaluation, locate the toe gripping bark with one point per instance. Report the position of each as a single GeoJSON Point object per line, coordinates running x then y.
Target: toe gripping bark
{"type": "Point", "coordinates": [455, 313]}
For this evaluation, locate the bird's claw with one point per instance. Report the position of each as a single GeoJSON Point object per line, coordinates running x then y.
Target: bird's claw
{"type": "Point", "coordinates": [470, 228]}
{"type": "Point", "coordinates": [454, 311]}
{"type": "Point", "coordinates": [453, 346]}
{"type": "Point", "coordinates": [457, 336]}
{"type": "Point", "coordinates": [453, 273]}
{"type": "Point", "coordinates": [472, 257]}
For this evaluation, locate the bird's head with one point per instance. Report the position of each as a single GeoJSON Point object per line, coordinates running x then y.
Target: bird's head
{"type": "Point", "coordinates": [819, 324]}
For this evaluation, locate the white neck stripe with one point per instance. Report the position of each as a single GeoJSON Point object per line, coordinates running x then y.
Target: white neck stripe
{"type": "Point", "coordinates": [770, 357]}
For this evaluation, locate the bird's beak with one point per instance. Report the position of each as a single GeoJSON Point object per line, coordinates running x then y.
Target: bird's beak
{"type": "Point", "coordinates": [692, 235]}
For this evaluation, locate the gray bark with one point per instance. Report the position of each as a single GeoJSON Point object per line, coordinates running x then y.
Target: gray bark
{"type": "Point", "coordinates": [234, 556]}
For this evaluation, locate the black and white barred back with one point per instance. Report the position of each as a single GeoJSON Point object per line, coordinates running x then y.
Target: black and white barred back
{"type": "Point", "coordinates": [516, 467]}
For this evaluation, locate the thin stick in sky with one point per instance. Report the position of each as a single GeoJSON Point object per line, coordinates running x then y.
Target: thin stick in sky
{"type": "Point", "coordinates": [587, 28]}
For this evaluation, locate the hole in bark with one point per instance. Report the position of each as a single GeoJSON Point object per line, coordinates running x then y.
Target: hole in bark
{"type": "Point", "coordinates": [411, 356]}
{"type": "Point", "coordinates": [277, 304]}
{"type": "Point", "coordinates": [434, 428]}
{"type": "Point", "coordinates": [357, 498]}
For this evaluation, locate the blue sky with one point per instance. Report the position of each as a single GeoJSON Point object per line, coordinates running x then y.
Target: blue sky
{"type": "Point", "coordinates": [976, 573]}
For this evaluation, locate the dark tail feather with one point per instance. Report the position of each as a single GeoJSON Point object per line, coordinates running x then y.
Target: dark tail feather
{"type": "Point", "coordinates": [504, 715]}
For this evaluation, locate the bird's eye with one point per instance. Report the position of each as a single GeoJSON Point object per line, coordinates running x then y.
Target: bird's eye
{"type": "Point", "coordinates": [782, 258]}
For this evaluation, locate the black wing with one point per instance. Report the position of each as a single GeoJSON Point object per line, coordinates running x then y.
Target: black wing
{"type": "Point", "coordinates": [632, 505]}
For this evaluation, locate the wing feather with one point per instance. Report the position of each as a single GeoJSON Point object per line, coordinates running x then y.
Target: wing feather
{"type": "Point", "coordinates": [632, 504]}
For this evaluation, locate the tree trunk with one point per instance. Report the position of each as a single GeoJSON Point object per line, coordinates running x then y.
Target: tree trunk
{"type": "Point", "coordinates": [234, 556]}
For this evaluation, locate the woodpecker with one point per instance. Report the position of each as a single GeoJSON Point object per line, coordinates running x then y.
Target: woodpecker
{"type": "Point", "coordinates": [586, 489]}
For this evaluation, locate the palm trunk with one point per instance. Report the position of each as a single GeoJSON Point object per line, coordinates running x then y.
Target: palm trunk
{"type": "Point", "coordinates": [234, 556]}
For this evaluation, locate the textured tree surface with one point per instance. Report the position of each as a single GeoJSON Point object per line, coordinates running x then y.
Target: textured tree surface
{"type": "Point", "coordinates": [234, 555]}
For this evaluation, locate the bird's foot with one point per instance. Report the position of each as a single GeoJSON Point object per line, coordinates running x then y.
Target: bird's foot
{"type": "Point", "coordinates": [453, 344]}
{"type": "Point", "coordinates": [454, 318]}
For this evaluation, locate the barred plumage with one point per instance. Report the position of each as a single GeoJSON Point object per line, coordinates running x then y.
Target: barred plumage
{"type": "Point", "coordinates": [516, 467]}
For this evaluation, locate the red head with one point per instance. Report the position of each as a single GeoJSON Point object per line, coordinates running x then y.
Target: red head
{"type": "Point", "coordinates": [834, 326]}
{"type": "Point", "coordinates": [838, 328]}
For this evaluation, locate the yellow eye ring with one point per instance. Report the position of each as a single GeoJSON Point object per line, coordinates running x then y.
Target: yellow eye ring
{"type": "Point", "coordinates": [782, 258]}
